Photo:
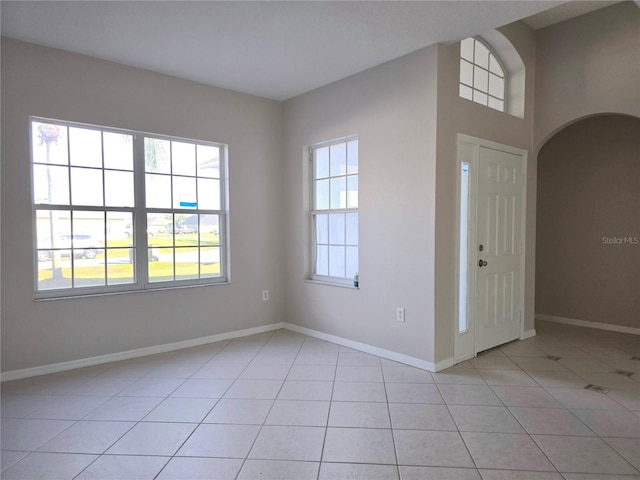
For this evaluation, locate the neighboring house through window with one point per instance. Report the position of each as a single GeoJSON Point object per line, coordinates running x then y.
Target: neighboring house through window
{"type": "Point", "coordinates": [334, 211]}
{"type": "Point", "coordinates": [119, 210]}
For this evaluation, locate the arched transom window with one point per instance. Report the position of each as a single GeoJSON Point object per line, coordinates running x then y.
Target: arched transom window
{"type": "Point", "coordinates": [482, 78]}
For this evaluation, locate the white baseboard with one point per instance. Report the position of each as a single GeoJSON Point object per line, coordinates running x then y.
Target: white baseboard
{"type": "Point", "coordinates": [528, 334]}
{"type": "Point", "coordinates": [588, 324]}
{"type": "Point", "coordinates": [446, 363]}
{"type": "Point", "coordinates": [363, 347]}
{"type": "Point", "coordinates": [194, 342]}
{"type": "Point", "coordinates": [139, 352]}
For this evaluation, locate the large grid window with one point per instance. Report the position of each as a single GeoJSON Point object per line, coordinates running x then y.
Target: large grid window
{"type": "Point", "coordinates": [482, 78]}
{"type": "Point", "coordinates": [334, 211]}
{"type": "Point", "coordinates": [119, 210]}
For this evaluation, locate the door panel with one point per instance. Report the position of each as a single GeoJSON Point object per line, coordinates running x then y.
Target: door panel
{"type": "Point", "coordinates": [499, 218]}
{"type": "Point", "coordinates": [491, 232]}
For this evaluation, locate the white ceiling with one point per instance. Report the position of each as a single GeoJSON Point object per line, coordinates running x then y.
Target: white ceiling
{"type": "Point", "coordinates": [566, 11]}
{"type": "Point", "coordinates": [272, 49]}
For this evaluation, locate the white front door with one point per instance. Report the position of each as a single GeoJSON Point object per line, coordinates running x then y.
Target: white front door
{"type": "Point", "coordinates": [498, 298]}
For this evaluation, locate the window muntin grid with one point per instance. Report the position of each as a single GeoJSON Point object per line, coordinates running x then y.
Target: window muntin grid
{"type": "Point", "coordinates": [94, 229]}
{"type": "Point", "coordinates": [334, 211]}
{"type": "Point", "coordinates": [482, 78]}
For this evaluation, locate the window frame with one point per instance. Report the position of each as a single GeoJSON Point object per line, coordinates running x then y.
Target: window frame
{"type": "Point", "coordinates": [139, 211]}
{"type": "Point", "coordinates": [314, 212]}
{"type": "Point", "coordinates": [505, 76]}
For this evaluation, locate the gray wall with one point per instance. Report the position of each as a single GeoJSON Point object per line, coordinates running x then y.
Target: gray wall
{"type": "Point", "coordinates": [392, 108]}
{"type": "Point", "coordinates": [585, 66]}
{"type": "Point", "coordinates": [52, 83]}
{"type": "Point", "coordinates": [589, 188]}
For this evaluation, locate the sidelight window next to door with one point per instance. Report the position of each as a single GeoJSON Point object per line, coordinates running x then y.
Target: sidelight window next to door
{"type": "Point", "coordinates": [463, 321]}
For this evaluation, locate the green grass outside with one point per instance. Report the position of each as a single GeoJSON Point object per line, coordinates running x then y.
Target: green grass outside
{"type": "Point", "coordinates": [160, 241]}
{"type": "Point", "coordinates": [120, 248]}
{"type": "Point", "coordinates": [157, 270]}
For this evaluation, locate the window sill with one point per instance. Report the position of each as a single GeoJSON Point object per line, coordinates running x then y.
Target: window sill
{"type": "Point", "coordinates": [329, 283]}
{"type": "Point", "coordinates": [126, 292]}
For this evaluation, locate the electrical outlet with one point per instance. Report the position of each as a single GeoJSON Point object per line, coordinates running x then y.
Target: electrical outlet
{"type": "Point", "coordinates": [265, 295]}
{"type": "Point", "coordinates": [400, 314]}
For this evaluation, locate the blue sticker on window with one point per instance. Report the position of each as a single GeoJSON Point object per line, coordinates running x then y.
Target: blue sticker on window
{"type": "Point", "coordinates": [188, 204]}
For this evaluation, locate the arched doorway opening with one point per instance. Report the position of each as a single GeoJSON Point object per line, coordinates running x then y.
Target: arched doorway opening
{"type": "Point", "coordinates": [588, 224]}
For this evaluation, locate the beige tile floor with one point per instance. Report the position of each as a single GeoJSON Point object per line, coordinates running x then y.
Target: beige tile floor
{"type": "Point", "coordinates": [284, 406]}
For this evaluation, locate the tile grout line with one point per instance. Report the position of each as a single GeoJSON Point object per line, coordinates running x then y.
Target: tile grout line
{"type": "Point", "coordinates": [272, 404]}
{"type": "Point", "coordinates": [473, 460]}
{"type": "Point", "coordinates": [492, 388]}
{"type": "Point", "coordinates": [326, 428]}
{"type": "Point", "coordinates": [393, 437]}
{"type": "Point", "coordinates": [104, 453]}
{"type": "Point", "coordinates": [171, 457]}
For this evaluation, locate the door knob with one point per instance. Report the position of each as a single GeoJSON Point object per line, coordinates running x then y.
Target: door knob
{"type": "Point", "coordinates": [482, 263]}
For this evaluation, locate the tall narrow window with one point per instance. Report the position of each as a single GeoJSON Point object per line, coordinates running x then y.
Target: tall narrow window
{"type": "Point", "coordinates": [482, 77]}
{"type": "Point", "coordinates": [120, 210]}
{"type": "Point", "coordinates": [334, 211]}
{"type": "Point", "coordinates": [463, 276]}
